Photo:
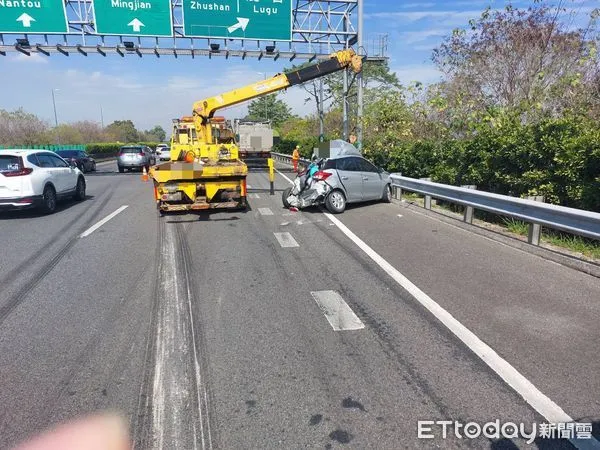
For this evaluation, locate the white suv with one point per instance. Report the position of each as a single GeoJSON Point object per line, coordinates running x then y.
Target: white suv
{"type": "Point", "coordinates": [163, 152]}
{"type": "Point", "coordinates": [30, 178]}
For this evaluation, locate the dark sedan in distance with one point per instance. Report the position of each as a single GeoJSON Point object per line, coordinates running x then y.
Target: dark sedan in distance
{"type": "Point", "coordinates": [81, 159]}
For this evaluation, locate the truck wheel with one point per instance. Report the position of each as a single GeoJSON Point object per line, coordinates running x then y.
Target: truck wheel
{"type": "Point", "coordinates": [284, 197]}
{"type": "Point", "coordinates": [336, 202]}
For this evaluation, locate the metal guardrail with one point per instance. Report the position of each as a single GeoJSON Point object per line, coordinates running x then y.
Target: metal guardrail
{"type": "Point", "coordinates": [287, 159]}
{"type": "Point", "coordinates": [575, 221]}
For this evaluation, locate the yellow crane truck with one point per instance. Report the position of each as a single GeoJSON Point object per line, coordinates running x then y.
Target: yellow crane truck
{"type": "Point", "coordinates": [205, 171]}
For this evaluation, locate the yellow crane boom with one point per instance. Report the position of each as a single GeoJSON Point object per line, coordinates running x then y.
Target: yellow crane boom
{"type": "Point", "coordinates": [204, 110]}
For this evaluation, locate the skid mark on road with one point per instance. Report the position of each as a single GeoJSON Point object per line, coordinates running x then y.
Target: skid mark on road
{"type": "Point", "coordinates": [178, 406]}
{"type": "Point", "coordinates": [28, 285]}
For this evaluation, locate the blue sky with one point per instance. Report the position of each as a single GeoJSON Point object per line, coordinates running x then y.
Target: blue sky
{"type": "Point", "coordinates": [151, 91]}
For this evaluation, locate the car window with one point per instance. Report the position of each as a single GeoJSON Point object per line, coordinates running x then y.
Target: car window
{"type": "Point", "coordinates": [45, 160]}
{"type": "Point", "coordinates": [130, 149]}
{"type": "Point", "coordinates": [57, 161]}
{"type": "Point", "coordinates": [8, 163]}
{"type": "Point", "coordinates": [330, 164]}
{"type": "Point", "coordinates": [366, 166]}
{"type": "Point", "coordinates": [348, 164]}
{"type": "Point", "coordinates": [33, 159]}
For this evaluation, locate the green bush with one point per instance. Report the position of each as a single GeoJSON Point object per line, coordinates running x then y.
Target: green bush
{"type": "Point", "coordinates": [558, 158]}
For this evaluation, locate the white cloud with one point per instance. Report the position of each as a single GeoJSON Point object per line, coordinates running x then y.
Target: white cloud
{"type": "Point", "coordinates": [33, 58]}
{"type": "Point", "coordinates": [414, 72]}
{"type": "Point", "coordinates": [413, 37]}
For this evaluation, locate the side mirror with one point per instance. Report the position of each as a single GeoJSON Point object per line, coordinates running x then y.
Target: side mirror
{"type": "Point", "coordinates": [72, 164]}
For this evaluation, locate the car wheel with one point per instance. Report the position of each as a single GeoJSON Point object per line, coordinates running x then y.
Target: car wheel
{"type": "Point", "coordinates": [93, 167]}
{"type": "Point", "coordinates": [121, 169]}
{"type": "Point", "coordinates": [387, 194]}
{"type": "Point", "coordinates": [336, 202]}
{"type": "Point", "coordinates": [285, 196]}
{"type": "Point", "coordinates": [80, 190]}
{"type": "Point", "coordinates": [49, 200]}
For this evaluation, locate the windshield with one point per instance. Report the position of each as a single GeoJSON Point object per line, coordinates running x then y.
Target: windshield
{"type": "Point", "coordinates": [68, 153]}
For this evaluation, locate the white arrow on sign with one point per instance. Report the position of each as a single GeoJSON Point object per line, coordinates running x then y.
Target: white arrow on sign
{"type": "Point", "coordinates": [26, 20]}
{"type": "Point", "coordinates": [242, 23]}
{"type": "Point", "coordinates": [136, 24]}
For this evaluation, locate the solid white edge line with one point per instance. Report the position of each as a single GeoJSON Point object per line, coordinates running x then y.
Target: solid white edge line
{"type": "Point", "coordinates": [511, 376]}
{"type": "Point", "coordinates": [532, 395]}
{"type": "Point", "coordinates": [103, 221]}
{"type": "Point", "coordinates": [284, 176]}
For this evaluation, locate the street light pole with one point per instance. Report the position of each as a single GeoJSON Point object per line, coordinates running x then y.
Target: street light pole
{"type": "Point", "coordinates": [359, 79]}
{"type": "Point", "coordinates": [54, 105]}
{"type": "Point", "coordinates": [55, 117]}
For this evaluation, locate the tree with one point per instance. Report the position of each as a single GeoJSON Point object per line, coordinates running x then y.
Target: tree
{"type": "Point", "coordinates": [122, 131]}
{"type": "Point", "coordinates": [21, 128]}
{"type": "Point", "coordinates": [82, 132]}
{"type": "Point", "coordinates": [377, 77]}
{"type": "Point", "coordinates": [156, 134]}
{"type": "Point", "coordinates": [269, 107]}
{"type": "Point", "coordinates": [519, 58]}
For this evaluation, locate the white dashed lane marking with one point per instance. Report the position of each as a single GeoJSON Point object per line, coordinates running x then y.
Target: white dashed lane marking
{"type": "Point", "coordinates": [265, 211]}
{"type": "Point", "coordinates": [286, 240]}
{"type": "Point", "coordinates": [339, 315]}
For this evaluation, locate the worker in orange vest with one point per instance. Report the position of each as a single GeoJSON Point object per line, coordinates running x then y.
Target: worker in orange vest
{"type": "Point", "coordinates": [296, 157]}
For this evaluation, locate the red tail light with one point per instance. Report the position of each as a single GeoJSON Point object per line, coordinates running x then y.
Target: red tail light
{"type": "Point", "coordinates": [19, 173]}
{"type": "Point", "coordinates": [22, 171]}
{"type": "Point", "coordinates": [141, 153]}
{"type": "Point", "coordinates": [321, 176]}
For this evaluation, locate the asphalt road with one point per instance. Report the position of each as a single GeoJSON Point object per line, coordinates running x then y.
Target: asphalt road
{"type": "Point", "coordinates": [273, 329]}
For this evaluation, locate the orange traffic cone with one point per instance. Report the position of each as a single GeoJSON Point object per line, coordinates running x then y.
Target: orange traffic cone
{"type": "Point", "coordinates": [144, 174]}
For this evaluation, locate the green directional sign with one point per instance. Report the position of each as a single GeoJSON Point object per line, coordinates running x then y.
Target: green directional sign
{"type": "Point", "coordinates": [270, 20]}
{"type": "Point", "coordinates": [33, 16]}
{"type": "Point", "coordinates": [133, 17]}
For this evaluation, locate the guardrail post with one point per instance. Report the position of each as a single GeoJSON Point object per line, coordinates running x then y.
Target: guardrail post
{"type": "Point", "coordinates": [428, 202]}
{"type": "Point", "coordinates": [427, 197]}
{"type": "Point", "coordinates": [535, 229]}
{"type": "Point", "coordinates": [468, 215]}
{"type": "Point", "coordinates": [397, 191]}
